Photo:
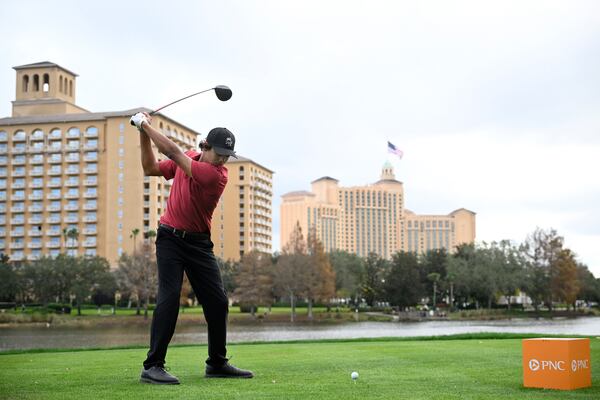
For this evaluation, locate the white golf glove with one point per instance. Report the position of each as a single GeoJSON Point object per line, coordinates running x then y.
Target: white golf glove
{"type": "Point", "coordinates": [138, 119]}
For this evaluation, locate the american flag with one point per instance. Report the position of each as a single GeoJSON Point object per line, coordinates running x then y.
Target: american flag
{"type": "Point", "coordinates": [394, 150]}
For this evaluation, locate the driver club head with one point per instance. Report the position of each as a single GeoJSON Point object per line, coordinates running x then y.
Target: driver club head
{"type": "Point", "coordinates": [223, 92]}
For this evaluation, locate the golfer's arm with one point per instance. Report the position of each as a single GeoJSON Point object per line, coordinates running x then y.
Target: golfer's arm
{"type": "Point", "coordinates": [169, 148]}
{"type": "Point", "coordinates": [149, 163]}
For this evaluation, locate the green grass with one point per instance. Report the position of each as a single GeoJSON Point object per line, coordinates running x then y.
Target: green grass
{"type": "Point", "coordinates": [389, 369]}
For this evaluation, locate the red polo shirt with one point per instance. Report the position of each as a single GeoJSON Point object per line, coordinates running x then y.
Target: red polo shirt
{"type": "Point", "coordinates": [192, 199]}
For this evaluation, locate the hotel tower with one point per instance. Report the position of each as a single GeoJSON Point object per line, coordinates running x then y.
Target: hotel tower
{"type": "Point", "coordinates": [371, 218]}
{"type": "Point", "coordinates": [71, 180]}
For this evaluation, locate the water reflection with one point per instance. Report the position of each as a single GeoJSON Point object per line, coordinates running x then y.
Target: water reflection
{"type": "Point", "coordinates": [77, 337]}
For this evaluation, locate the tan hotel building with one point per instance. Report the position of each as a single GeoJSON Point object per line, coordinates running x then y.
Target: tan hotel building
{"type": "Point", "coordinates": [371, 218]}
{"type": "Point", "coordinates": [63, 167]}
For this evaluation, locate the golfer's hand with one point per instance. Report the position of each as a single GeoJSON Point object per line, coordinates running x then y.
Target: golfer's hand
{"type": "Point", "coordinates": [138, 120]}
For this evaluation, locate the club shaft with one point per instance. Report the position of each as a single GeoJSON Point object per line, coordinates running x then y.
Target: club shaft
{"type": "Point", "coordinates": [177, 101]}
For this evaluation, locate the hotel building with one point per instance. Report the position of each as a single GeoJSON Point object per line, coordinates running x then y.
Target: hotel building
{"type": "Point", "coordinates": [371, 218]}
{"type": "Point", "coordinates": [64, 168]}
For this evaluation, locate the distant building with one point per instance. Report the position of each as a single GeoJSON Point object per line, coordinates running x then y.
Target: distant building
{"type": "Point", "coordinates": [64, 168]}
{"type": "Point", "coordinates": [371, 218]}
{"type": "Point", "coordinates": [243, 219]}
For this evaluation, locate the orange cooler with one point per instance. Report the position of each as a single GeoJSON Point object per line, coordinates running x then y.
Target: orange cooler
{"type": "Point", "coordinates": [557, 363]}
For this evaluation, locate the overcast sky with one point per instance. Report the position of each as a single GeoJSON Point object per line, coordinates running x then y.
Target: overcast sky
{"type": "Point", "coordinates": [496, 104]}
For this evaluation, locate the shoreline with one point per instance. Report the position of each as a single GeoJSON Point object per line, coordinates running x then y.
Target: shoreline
{"type": "Point", "coordinates": [91, 321]}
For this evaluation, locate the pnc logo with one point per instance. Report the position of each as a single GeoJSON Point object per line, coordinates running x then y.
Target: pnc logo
{"type": "Point", "coordinates": [534, 364]}
{"type": "Point", "coordinates": [578, 365]}
{"type": "Point", "coordinates": [547, 365]}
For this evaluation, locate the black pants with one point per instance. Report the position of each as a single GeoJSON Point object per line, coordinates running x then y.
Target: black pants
{"type": "Point", "coordinates": [194, 256]}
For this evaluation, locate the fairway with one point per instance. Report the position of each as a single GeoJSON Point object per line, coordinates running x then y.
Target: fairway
{"type": "Point", "coordinates": [388, 368]}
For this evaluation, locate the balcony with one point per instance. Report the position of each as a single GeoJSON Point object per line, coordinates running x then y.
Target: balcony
{"type": "Point", "coordinates": [90, 182]}
{"type": "Point", "coordinates": [35, 232]}
{"type": "Point", "coordinates": [36, 184]}
{"type": "Point", "coordinates": [17, 185]}
{"type": "Point", "coordinates": [18, 173]}
{"type": "Point", "coordinates": [53, 220]}
{"type": "Point", "coordinates": [90, 170]}
{"type": "Point", "coordinates": [72, 218]}
{"type": "Point", "coordinates": [34, 245]}
{"type": "Point", "coordinates": [55, 207]}
{"type": "Point", "coordinates": [72, 207]}
{"type": "Point", "coordinates": [89, 243]}
{"type": "Point", "coordinates": [146, 216]}
{"type": "Point", "coordinates": [17, 257]}
{"type": "Point", "coordinates": [3, 149]}
{"type": "Point", "coordinates": [35, 196]}
{"type": "Point", "coordinates": [89, 231]}
{"type": "Point", "coordinates": [73, 133]}
{"type": "Point", "coordinates": [55, 160]}
{"type": "Point", "coordinates": [35, 149]}
{"type": "Point", "coordinates": [3, 160]}
{"type": "Point", "coordinates": [53, 196]}
{"type": "Point", "coordinates": [89, 218]}
{"type": "Point", "coordinates": [57, 148]}
{"type": "Point", "coordinates": [90, 146]}
{"type": "Point", "coordinates": [72, 147]}
{"type": "Point", "coordinates": [72, 243]}
{"type": "Point", "coordinates": [3, 137]}
{"type": "Point", "coordinates": [54, 135]}
{"type": "Point", "coordinates": [18, 161]}
{"type": "Point", "coordinates": [72, 171]}
{"type": "Point", "coordinates": [90, 206]}
{"type": "Point", "coordinates": [52, 245]}
{"type": "Point", "coordinates": [73, 157]}
{"type": "Point", "coordinates": [53, 232]}
{"type": "Point", "coordinates": [35, 220]}
{"type": "Point", "coordinates": [36, 172]}
{"type": "Point", "coordinates": [90, 195]}
{"type": "Point", "coordinates": [90, 158]}
{"type": "Point", "coordinates": [33, 257]}
{"type": "Point", "coordinates": [55, 171]}
{"type": "Point", "coordinates": [17, 233]}
{"type": "Point", "coordinates": [72, 183]}
{"type": "Point", "coordinates": [18, 150]}
{"type": "Point", "coordinates": [93, 133]}
{"type": "Point", "coordinates": [37, 135]}
{"type": "Point", "coordinates": [72, 196]}
{"type": "Point", "coordinates": [17, 209]}
{"type": "Point", "coordinates": [54, 184]}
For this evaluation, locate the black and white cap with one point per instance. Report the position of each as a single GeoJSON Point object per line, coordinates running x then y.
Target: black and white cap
{"type": "Point", "coordinates": [222, 140]}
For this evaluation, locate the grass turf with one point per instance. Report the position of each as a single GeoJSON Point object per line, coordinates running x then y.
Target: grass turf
{"type": "Point", "coordinates": [389, 369]}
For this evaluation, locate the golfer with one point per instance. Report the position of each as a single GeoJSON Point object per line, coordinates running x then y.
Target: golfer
{"type": "Point", "coordinates": [183, 244]}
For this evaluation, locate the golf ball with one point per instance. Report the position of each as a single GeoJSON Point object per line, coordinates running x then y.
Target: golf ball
{"type": "Point", "coordinates": [354, 375]}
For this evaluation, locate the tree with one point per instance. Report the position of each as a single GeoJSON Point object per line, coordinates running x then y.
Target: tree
{"type": "Point", "coordinates": [565, 281]}
{"type": "Point", "coordinates": [91, 276]}
{"type": "Point", "coordinates": [402, 285]}
{"type": "Point", "coordinates": [255, 280]}
{"type": "Point", "coordinates": [8, 281]}
{"type": "Point", "coordinates": [137, 275]}
{"type": "Point", "coordinates": [319, 275]}
{"type": "Point", "coordinates": [541, 249]}
{"type": "Point", "coordinates": [229, 270]}
{"type": "Point", "coordinates": [73, 234]}
{"type": "Point", "coordinates": [589, 286]}
{"type": "Point", "coordinates": [372, 285]}
{"type": "Point", "coordinates": [349, 273]}
{"type": "Point", "coordinates": [434, 277]}
{"type": "Point", "coordinates": [288, 278]}
{"type": "Point", "coordinates": [134, 233]}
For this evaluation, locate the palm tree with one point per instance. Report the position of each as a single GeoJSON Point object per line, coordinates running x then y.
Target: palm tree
{"type": "Point", "coordinates": [434, 277]}
{"type": "Point", "coordinates": [134, 233]}
{"type": "Point", "coordinates": [73, 234]}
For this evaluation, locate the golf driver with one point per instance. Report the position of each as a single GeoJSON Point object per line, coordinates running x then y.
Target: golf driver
{"type": "Point", "coordinates": [223, 93]}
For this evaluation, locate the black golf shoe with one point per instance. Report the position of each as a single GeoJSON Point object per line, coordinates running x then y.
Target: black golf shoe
{"type": "Point", "coordinates": [158, 375]}
{"type": "Point", "coordinates": [226, 371]}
